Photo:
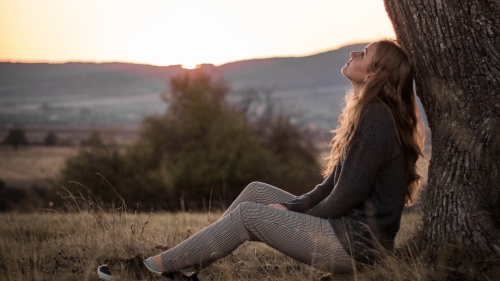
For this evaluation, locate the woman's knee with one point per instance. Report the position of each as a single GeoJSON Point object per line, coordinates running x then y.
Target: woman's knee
{"type": "Point", "coordinates": [248, 210]}
{"type": "Point", "coordinates": [257, 187]}
{"type": "Point", "coordinates": [245, 206]}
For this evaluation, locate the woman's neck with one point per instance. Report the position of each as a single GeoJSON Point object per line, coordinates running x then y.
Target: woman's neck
{"type": "Point", "coordinates": [356, 88]}
{"type": "Point", "coordinates": [356, 91]}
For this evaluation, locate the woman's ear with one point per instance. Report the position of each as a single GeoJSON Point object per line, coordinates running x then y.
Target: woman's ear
{"type": "Point", "coordinates": [367, 77]}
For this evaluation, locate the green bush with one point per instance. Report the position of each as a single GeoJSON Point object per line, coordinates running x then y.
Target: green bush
{"type": "Point", "coordinates": [111, 176]}
{"type": "Point", "coordinates": [202, 148]}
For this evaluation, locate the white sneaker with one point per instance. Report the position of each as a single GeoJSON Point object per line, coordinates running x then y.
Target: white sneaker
{"type": "Point", "coordinates": [104, 273]}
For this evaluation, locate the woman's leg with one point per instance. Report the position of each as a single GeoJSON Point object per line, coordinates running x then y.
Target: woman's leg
{"type": "Point", "coordinates": [305, 238]}
{"type": "Point", "coordinates": [259, 192]}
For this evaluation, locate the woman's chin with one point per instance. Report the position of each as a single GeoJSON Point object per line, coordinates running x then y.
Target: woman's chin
{"type": "Point", "coordinates": [344, 71]}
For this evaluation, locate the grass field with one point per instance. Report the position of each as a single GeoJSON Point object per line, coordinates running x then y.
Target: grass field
{"type": "Point", "coordinates": [32, 165]}
{"type": "Point", "coordinates": [52, 245]}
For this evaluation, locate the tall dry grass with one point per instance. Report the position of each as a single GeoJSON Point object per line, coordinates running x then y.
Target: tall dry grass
{"type": "Point", "coordinates": [56, 245]}
{"type": "Point", "coordinates": [71, 244]}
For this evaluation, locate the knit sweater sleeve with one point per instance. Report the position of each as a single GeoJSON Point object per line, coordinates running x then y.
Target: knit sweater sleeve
{"type": "Point", "coordinates": [366, 154]}
{"type": "Point", "coordinates": [306, 201]}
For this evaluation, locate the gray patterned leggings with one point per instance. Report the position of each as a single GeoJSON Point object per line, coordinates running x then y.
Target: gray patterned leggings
{"type": "Point", "coordinates": [308, 239]}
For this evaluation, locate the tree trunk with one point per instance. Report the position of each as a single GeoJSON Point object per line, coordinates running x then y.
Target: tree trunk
{"type": "Point", "coordinates": [455, 47]}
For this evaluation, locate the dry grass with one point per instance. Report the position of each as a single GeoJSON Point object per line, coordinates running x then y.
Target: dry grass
{"type": "Point", "coordinates": [55, 246]}
{"type": "Point", "coordinates": [29, 165]}
{"type": "Point", "coordinates": [52, 245]}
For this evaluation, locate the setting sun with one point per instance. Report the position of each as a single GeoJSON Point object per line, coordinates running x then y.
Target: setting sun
{"type": "Point", "coordinates": [190, 65]}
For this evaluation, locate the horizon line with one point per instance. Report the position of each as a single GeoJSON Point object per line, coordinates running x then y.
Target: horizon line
{"type": "Point", "coordinates": [41, 61]}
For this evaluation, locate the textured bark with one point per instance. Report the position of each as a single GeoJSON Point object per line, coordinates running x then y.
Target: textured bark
{"type": "Point", "coordinates": [455, 47]}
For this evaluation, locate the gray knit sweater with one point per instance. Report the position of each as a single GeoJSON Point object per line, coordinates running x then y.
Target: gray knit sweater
{"type": "Point", "coordinates": [364, 196]}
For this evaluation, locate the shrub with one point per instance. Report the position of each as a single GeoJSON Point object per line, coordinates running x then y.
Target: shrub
{"type": "Point", "coordinates": [202, 148]}
{"type": "Point", "coordinates": [50, 139]}
{"type": "Point", "coordinates": [16, 137]}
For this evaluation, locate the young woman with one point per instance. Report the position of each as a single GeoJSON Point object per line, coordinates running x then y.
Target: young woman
{"type": "Point", "coordinates": [355, 213]}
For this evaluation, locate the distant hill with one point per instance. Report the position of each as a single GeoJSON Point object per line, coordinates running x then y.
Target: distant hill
{"type": "Point", "coordinates": [115, 94]}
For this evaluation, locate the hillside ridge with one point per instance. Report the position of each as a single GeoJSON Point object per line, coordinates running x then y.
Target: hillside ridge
{"type": "Point", "coordinates": [118, 93]}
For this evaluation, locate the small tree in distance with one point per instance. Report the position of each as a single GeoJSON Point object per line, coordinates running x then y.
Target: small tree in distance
{"type": "Point", "coordinates": [50, 139]}
{"type": "Point", "coordinates": [212, 147]}
{"type": "Point", "coordinates": [16, 137]}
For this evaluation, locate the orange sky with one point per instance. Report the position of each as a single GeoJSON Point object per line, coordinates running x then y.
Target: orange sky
{"type": "Point", "coordinates": [166, 32]}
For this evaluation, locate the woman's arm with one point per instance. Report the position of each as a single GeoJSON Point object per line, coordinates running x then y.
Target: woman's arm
{"type": "Point", "coordinates": [307, 201]}
{"type": "Point", "coordinates": [366, 154]}
{"type": "Point", "coordinates": [278, 206]}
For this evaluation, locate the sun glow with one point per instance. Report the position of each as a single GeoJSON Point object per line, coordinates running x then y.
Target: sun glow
{"type": "Point", "coordinates": [176, 32]}
{"type": "Point", "coordinates": [190, 65]}
{"type": "Point", "coordinates": [179, 38]}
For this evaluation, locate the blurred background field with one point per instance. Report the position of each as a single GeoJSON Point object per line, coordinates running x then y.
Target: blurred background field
{"type": "Point", "coordinates": [32, 165]}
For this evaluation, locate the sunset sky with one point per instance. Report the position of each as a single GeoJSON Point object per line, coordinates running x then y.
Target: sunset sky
{"type": "Point", "coordinates": [167, 32]}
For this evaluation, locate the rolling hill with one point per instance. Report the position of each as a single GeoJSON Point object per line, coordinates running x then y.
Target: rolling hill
{"type": "Point", "coordinates": [121, 94]}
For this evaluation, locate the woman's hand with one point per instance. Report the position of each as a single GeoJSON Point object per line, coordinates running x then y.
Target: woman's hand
{"type": "Point", "coordinates": [278, 206]}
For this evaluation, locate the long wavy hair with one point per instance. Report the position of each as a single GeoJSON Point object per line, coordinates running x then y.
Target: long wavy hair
{"type": "Point", "coordinates": [392, 84]}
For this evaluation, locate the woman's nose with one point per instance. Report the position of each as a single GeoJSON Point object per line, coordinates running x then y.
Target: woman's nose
{"type": "Point", "coordinates": [354, 54]}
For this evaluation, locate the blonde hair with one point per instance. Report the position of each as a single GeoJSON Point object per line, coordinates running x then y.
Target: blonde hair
{"type": "Point", "coordinates": [392, 84]}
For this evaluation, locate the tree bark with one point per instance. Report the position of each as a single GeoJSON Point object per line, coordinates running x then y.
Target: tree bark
{"type": "Point", "coordinates": [455, 47]}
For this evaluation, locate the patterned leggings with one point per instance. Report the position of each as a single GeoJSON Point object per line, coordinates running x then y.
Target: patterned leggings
{"type": "Point", "coordinates": [308, 239]}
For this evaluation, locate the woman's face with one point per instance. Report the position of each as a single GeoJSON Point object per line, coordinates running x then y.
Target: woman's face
{"type": "Point", "coordinates": [356, 68]}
